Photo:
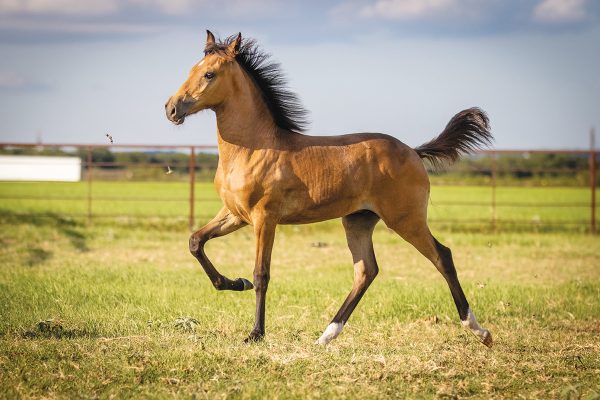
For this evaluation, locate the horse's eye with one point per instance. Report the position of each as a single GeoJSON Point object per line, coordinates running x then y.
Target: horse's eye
{"type": "Point", "coordinates": [209, 75]}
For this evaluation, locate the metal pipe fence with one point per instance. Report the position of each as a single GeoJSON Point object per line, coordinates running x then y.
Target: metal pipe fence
{"type": "Point", "coordinates": [492, 178]}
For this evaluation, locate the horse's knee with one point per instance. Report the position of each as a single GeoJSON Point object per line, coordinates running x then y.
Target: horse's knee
{"type": "Point", "coordinates": [443, 251]}
{"type": "Point", "coordinates": [372, 273]}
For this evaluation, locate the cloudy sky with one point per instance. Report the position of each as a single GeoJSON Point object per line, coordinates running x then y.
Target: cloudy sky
{"type": "Point", "coordinates": [73, 70]}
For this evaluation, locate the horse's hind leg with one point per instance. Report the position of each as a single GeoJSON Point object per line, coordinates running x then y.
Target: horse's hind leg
{"type": "Point", "coordinates": [222, 224]}
{"type": "Point", "coordinates": [415, 231]}
{"type": "Point", "coordinates": [359, 230]}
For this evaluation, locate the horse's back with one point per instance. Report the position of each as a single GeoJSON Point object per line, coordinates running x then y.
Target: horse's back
{"type": "Point", "coordinates": [389, 156]}
{"type": "Point", "coordinates": [347, 173]}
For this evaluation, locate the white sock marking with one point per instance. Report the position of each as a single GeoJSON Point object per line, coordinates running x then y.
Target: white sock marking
{"type": "Point", "coordinates": [472, 324]}
{"type": "Point", "coordinates": [331, 332]}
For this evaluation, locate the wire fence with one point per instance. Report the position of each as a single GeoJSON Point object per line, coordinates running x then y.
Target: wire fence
{"type": "Point", "coordinates": [494, 189]}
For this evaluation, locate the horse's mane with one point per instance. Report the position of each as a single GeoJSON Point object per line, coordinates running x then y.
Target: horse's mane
{"type": "Point", "coordinates": [284, 105]}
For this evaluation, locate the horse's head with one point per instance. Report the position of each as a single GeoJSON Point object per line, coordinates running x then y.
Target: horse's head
{"type": "Point", "coordinates": [209, 82]}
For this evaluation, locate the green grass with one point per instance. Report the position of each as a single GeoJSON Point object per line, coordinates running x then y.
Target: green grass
{"type": "Point", "coordinates": [91, 310]}
{"type": "Point", "coordinates": [451, 207]}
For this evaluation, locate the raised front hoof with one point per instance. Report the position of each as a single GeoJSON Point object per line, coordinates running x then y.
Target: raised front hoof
{"type": "Point", "coordinates": [486, 338]}
{"type": "Point", "coordinates": [254, 337]}
{"type": "Point", "coordinates": [238, 285]}
{"type": "Point", "coordinates": [245, 284]}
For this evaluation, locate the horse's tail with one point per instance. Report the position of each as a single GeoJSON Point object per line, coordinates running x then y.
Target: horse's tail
{"type": "Point", "coordinates": [466, 132]}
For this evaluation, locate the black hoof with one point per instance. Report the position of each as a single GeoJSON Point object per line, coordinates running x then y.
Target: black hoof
{"type": "Point", "coordinates": [254, 337]}
{"type": "Point", "coordinates": [245, 284]}
{"type": "Point", "coordinates": [238, 285]}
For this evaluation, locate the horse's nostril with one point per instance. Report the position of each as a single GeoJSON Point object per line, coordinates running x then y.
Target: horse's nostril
{"type": "Point", "coordinates": [173, 111]}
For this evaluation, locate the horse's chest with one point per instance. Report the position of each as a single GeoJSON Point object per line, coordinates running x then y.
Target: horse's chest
{"type": "Point", "coordinates": [240, 192]}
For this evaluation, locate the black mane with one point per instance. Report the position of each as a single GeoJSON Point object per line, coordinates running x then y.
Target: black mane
{"type": "Point", "coordinates": [284, 105]}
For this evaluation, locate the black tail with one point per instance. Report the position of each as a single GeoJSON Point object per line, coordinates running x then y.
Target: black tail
{"type": "Point", "coordinates": [466, 132]}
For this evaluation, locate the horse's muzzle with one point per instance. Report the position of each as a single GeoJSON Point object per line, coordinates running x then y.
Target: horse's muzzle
{"type": "Point", "coordinates": [175, 111]}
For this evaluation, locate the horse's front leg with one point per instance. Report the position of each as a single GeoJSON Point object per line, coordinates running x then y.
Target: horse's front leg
{"type": "Point", "coordinates": [222, 224]}
{"type": "Point", "coordinates": [264, 231]}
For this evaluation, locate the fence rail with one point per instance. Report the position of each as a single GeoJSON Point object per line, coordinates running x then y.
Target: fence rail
{"type": "Point", "coordinates": [92, 168]}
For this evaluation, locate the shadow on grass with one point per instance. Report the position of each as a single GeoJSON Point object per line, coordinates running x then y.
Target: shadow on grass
{"type": "Point", "coordinates": [36, 256]}
{"type": "Point", "coordinates": [70, 223]}
{"type": "Point", "coordinates": [54, 329]}
{"type": "Point", "coordinates": [66, 226]}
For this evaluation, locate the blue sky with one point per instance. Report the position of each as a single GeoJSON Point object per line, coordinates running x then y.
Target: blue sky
{"type": "Point", "coordinates": [73, 70]}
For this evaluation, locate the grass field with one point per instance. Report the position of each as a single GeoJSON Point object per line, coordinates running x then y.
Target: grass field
{"type": "Point", "coordinates": [451, 207]}
{"type": "Point", "coordinates": [93, 310]}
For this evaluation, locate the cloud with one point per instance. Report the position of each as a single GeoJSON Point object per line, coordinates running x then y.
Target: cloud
{"type": "Point", "coordinates": [473, 18]}
{"type": "Point", "coordinates": [60, 7]}
{"type": "Point", "coordinates": [254, 8]}
{"type": "Point", "coordinates": [445, 13]}
{"type": "Point", "coordinates": [73, 27]}
{"type": "Point", "coordinates": [560, 11]}
{"type": "Point", "coordinates": [47, 21]}
{"type": "Point", "coordinates": [12, 82]}
{"type": "Point", "coordinates": [171, 7]}
{"type": "Point", "coordinates": [42, 21]}
{"type": "Point", "coordinates": [30, 21]}
{"type": "Point", "coordinates": [92, 7]}
{"type": "Point", "coordinates": [406, 9]}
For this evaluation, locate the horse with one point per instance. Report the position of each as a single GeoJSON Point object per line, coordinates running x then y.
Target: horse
{"type": "Point", "coordinates": [270, 172]}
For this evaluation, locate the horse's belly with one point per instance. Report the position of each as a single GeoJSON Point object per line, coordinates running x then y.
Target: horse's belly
{"type": "Point", "coordinates": [300, 207]}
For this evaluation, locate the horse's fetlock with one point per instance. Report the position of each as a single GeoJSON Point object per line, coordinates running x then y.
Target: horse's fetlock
{"type": "Point", "coordinates": [219, 283]}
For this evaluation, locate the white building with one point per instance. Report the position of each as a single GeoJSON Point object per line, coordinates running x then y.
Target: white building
{"type": "Point", "coordinates": [40, 168]}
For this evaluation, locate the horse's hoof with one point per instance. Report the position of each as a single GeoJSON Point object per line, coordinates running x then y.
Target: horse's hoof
{"type": "Point", "coordinates": [254, 337]}
{"type": "Point", "coordinates": [333, 330]}
{"type": "Point", "coordinates": [247, 284]}
{"type": "Point", "coordinates": [487, 338]}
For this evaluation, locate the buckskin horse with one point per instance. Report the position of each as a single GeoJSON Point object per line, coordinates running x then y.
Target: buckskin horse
{"type": "Point", "coordinates": [269, 173]}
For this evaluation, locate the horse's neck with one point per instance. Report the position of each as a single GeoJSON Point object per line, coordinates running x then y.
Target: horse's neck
{"type": "Point", "coordinates": [244, 124]}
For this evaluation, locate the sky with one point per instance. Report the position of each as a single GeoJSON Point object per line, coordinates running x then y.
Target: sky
{"type": "Point", "coordinates": [73, 70]}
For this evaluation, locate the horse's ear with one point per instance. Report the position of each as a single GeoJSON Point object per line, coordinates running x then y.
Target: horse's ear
{"type": "Point", "coordinates": [234, 47]}
{"type": "Point", "coordinates": [210, 38]}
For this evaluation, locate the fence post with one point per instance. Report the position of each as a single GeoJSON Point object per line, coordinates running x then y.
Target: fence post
{"type": "Point", "coordinates": [593, 179]}
{"type": "Point", "coordinates": [89, 181]}
{"type": "Point", "coordinates": [192, 168]}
